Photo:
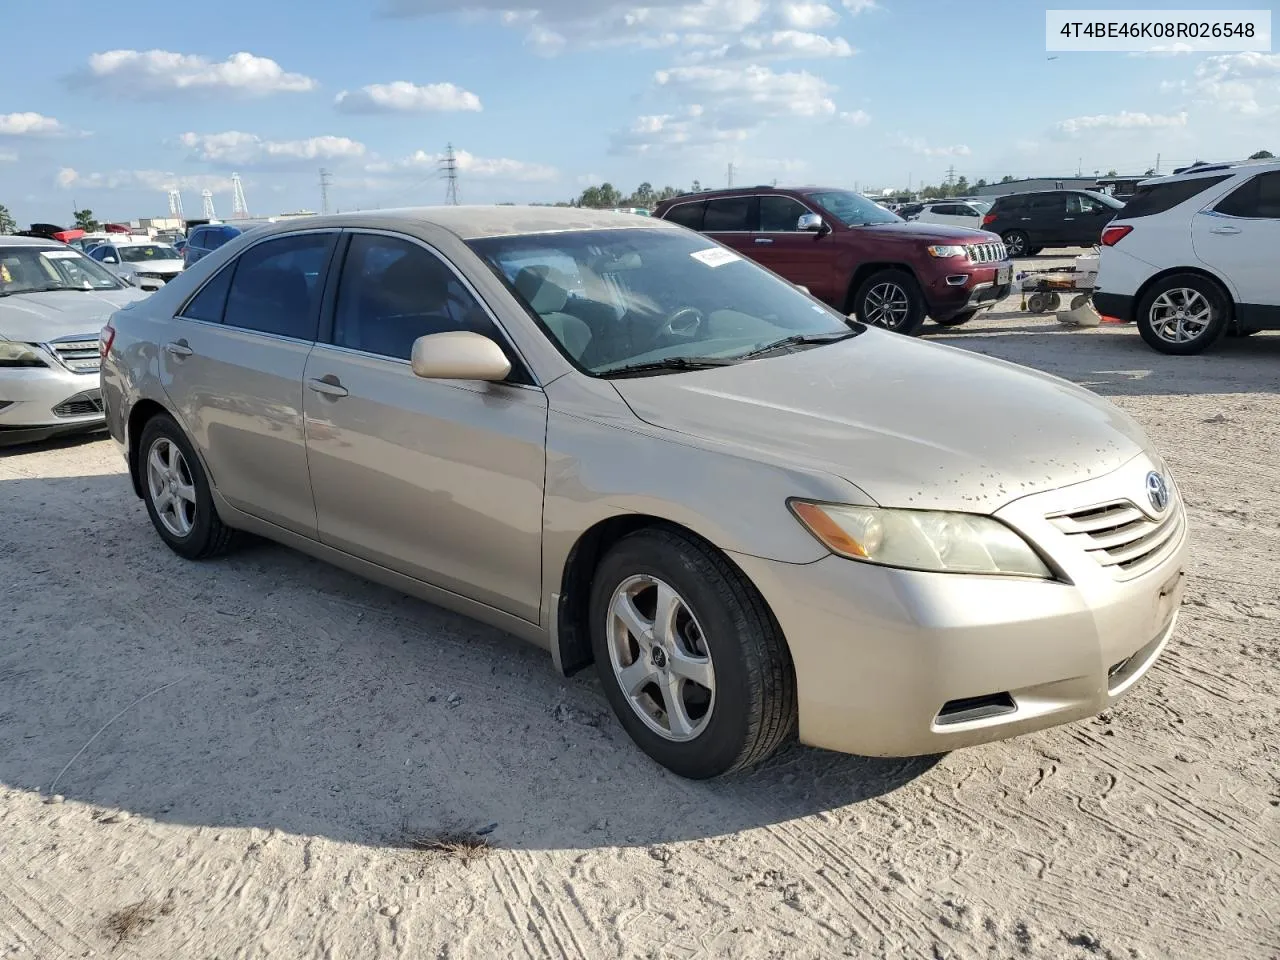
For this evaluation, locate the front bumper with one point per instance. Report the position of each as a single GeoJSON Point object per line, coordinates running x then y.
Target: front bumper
{"type": "Point", "coordinates": [37, 403]}
{"type": "Point", "coordinates": [901, 663]}
{"type": "Point", "coordinates": [982, 287]}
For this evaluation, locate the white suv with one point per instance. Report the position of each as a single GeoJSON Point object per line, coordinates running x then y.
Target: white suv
{"type": "Point", "coordinates": [1194, 256]}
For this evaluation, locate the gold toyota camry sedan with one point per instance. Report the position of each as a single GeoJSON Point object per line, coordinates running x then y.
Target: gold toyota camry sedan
{"type": "Point", "coordinates": [634, 448]}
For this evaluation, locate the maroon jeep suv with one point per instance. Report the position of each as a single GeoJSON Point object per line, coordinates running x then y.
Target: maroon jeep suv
{"type": "Point", "coordinates": [853, 254]}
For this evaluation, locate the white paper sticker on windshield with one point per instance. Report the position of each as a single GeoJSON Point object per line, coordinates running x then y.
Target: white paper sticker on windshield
{"type": "Point", "coordinates": [59, 254]}
{"type": "Point", "coordinates": [715, 256]}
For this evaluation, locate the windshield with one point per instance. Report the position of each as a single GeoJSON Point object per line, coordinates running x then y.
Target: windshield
{"type": "Point", "coordinates": [145, 252]}
{"type": "Point", "coordinates": [1110, 201]}
{"type": "Point", "coordinates": [618, 298]}
{"type": "Point", "coordinates": [853, 209]}
{"type": "Point", "coordinates": [37, 269]}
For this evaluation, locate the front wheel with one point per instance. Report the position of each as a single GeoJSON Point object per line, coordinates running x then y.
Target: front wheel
{"type": "Point", "coordinates": [959, 319]}
{"type": "Point", "coordinates": [691, 660]}
{"type": "Point", "coordinates": [176, 492]}
{"type": "Point", "coordinates": [890, 299]}
{"type": "Point", "coordinates": [1183, 314]}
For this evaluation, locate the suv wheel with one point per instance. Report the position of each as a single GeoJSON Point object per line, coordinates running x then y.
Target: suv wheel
{"type": "Point", "coordinates": [890, 299]}
{"type": "Point", "coordinates": [690, 658]}
{"type": "Point", "coordinates": [176, 492]}
{"type": "Point", "coordinates": [1183, 314]}
{"type": "Point", "coordinates": [1017, 243]}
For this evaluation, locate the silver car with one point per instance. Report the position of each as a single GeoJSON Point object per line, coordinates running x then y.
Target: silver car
{"type": "Point", "coordinates": [633, 447]}
{"type": "Point", "coordinates": [53, 303]}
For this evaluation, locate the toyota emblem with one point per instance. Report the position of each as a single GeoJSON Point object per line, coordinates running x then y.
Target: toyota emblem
{"type": "Point", "coordinates": [1157, 491]}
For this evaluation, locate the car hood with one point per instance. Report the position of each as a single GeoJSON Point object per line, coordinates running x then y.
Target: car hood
{"type": "Point", "coordinates": [911, 424]}
{"type": "Point", "coordinates": [153, 266]}
{"type": "Point", "coordinates": [40, 317]}
{"type": "Point", "coordinates": [915, 231]}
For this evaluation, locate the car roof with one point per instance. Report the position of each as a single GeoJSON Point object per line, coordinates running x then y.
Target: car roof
{"type": "Point", "coordinates": [1210, 169]}
{"type": "Point", "coordinates": [29, 242]}
{"type": "Point", "coordinates": [475, 222]}
{"type": "Point", "coordinates": [741, 191]}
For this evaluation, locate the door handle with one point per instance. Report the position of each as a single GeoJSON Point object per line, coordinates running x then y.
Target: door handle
{"type": "Point", "coordinates": [763, 240]}
{"type": "Point", "coordinates": [328, 387]}
{"type": "Point", "coordinates": [1226, 231]}
{"type": "Point", "coordinates": [179, 349]}
{"type": "Point", "coordinates": [1067, 219]}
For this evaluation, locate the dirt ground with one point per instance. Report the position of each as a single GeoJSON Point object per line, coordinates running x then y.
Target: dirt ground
{"type": "Point", "coordinates": [265, 757]}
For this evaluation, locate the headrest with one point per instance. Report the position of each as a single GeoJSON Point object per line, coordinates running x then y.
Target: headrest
{"type": "Point", "coordinates": [540, 291]}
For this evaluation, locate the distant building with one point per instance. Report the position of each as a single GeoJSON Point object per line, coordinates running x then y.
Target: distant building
{"type": "Point", "coordinates": [1029, 184]}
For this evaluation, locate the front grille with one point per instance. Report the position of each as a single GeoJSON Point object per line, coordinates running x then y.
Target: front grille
{"type": "Point", "coordinates": [78, 356]}
{"type": "Point", "coordinates": [993, 252]}
{"type": "Point", "coordinates": [81, 405]}
{"type": "Point", "coordinates": [1121, 537]}
{"type": "Point", "coordinates": [162, 277]}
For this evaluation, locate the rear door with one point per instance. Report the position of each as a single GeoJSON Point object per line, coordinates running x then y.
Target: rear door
{"type": "Point", "coordinates": [233, 369]}
{"type": "Point", "coordinates": [1240, 239]}
{"type": "Point", "coordinates": [1045, 220]}
{"type": "Point", "coordinates": [731, 221]}
{"type": "Point", "coordinates": [804, 258]}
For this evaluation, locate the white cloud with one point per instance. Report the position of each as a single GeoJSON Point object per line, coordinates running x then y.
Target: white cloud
{"type": "Point", "coordinates": [781, 45]}
{"type": "Point", "coordinates": [857, 118]}
{"type": "Point", "coordinates": [7, 156]}
{"type": "Point", "coordinates": [1124, 120]}
{"type": "Point", "coordinates": [136, 75]}
{"type": "Point", "coordinates": [30, 125]}
{"type": "Point", "coordinates": [153, 180]}
{"type": "Point", "coordinates": [1242, 83]}
{"type": "Point", "coordinates": [806, 15]}
{"type": "Point", "coordinates": [666, 132]}
{"type": "Point", "coordinates": [234, 148]}
{"type": "Point", "coordinates": [751, 93]}
{"type": "Point", "coordinates": [404, 97]}
{"type": "Point", "coordinates": [921, 146]}
{"type": "Point", "coordinates": [859, 6]}
{"type": "Point", "coordinates": [494, 168]}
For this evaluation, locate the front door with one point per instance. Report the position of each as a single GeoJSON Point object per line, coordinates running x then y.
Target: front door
{"type": "Point", "coordinates": [440, 480]}
{"type": "Point", "coordinates": [1047, 222]}
{"type": "Point", "coordinates": [1085, 219]}
{"type": "Point", "coordinates": [804, 258]}
{"type": "Point", "coordinates": [233, 368]}
{"type": "Point", "coordinates": [1240, 239]}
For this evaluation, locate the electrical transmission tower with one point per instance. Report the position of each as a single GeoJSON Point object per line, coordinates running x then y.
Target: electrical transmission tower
{"type": "Point", "coordinates": [175, 204]}
{"type": "Point", "coordinates": [206, 204]}
{"type": "Point", "coordinates": [325, 181]}
{"type": "Point", "coordinates": [239, 206]}
{"type": "Point", "coordinates": [449, 166]}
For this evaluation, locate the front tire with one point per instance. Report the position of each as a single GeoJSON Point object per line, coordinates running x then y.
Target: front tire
{"type": "Point", "coordinates": [959, 319]}
{"type": "Point", "coordinates": [691, 660]}
{"type": "Point", "coordinates": [176, 492]}
{"type": "Point", "coordinates": [1017, 243]}
{"type": "Point", "coordinates": [1183, 314]}
{"type": "Point", "coordinates": [891, 299]}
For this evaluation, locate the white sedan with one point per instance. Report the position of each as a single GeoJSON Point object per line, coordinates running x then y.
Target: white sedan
{"type": "Point", "coordinates": [144, 263]}
{"type": "Point", "coordinates": [956, 213]}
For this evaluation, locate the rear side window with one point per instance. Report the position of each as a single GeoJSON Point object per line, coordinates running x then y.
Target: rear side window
{"type": "Point", "coordinates": [1052, 204]}
{"type": "Point", "coordinates": [1258, 198]}
{"type": "Point", "coordinates": [277, 286]}
{"type": "Point", "coordinates": [687, 215]}
{"type": "Point", "coordinates": [1009, 204]}
{"type": "Point", "coordinates": [220, 236]}
{"type": "Point", "coordinates": [728, 214]}
{"type": "Point", "coordinates": [1147, 201]}
{"type": "Point", "coordinates": [197, 238]}
{"type": "Point", "coordinates": [211, 301]}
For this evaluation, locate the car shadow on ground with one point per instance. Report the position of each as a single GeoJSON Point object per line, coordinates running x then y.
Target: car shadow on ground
{"type": "Point", "coordinates": [70, 441]}
{"type": "Point", "coordinates": [269, 690]}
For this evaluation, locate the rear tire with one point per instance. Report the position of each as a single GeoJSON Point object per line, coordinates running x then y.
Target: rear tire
{"type": "Point", "coordinates": [1183, 314]}
{"type": "Point", "coordinates": [177, 494]}
{"type": "Point", "coordinates": [957, 320]}
{"type": "Point", "coordinates": [1016, 243]}
{"type": "Point", "coordinates": [718, 628]}
{"type": "Point", "coordinates": [890, 299]}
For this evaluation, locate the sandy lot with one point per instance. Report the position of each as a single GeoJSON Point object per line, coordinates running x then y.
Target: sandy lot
{"type": "Point", "coordinates": [246, 752]}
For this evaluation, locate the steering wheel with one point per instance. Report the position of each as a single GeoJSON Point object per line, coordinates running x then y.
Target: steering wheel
{"type": "Point", "coordinates": [684, 323]}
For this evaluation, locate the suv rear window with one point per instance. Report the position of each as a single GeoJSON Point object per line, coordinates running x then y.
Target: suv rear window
{"type": "Point", "coordinates": [1013, 202]}
{"type": "Point", "coordinates": [687, 214]}
{"type": "Point", "coordinates": [1147, 201]}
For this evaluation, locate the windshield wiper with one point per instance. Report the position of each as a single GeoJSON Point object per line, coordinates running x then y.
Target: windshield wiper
{"type": "Point", "coordinates": [668, 363]}
{"type": "Point", "coordinates": [798, 340]}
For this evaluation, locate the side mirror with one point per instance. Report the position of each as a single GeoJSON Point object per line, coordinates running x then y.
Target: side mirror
{"type": "Point", "coordinates": [110, 260]}
{"type": "Point", "coordinates": [811, 223]}
{"type": "Point", "coordinates": [459, 355]}
{"type": "Point", "coordinates": [802, 288]}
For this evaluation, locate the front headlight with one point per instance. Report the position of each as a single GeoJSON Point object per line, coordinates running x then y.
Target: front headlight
{"type": "Point", "coordinates": [945, 250]}
{"type": "Point", "coordinates": [921, 539]}
{"type": "Point", "coordinates": [19, 355]}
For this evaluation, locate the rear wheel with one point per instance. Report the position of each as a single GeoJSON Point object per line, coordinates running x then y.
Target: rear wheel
{"type": "Point", "coordinates": [176, 492]}
{"type": "Point", "coordinates": [691, 660]}
{"type": "Point", "coordinates": [1183, 314]}
{"type": "Point", "coordinates": [1016, 243]}
{"type": "Point", "coordinates": [957, 320]}
{"type": "Point", "coordinates": [890, 299]}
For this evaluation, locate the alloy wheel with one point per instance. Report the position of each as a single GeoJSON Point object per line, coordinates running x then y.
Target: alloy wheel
{"type": "Point", "coordinates": [1180, 315]}
{"type": "Point", "coordinates": [172, 489]}
{"type": "Point", "coordinates": [660, 658]}
{"type": "Point", "coordinates": [886, 305]}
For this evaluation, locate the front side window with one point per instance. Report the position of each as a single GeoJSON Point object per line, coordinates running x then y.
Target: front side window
{"type": "Point", "coordinates": [780, 214]}
{"type": "Point", "coordinates": [652, 296]}
{"type": "Point", "coordinates": [853, 209]}
{"type": "Point", "coordinates": [392, 291]}
{"type": "Point", "coordinates": [42, 269]}
{"type": "Point", "coordinates": [1258, 198]}
{"type": "Point", "coordinates": [277, 285]}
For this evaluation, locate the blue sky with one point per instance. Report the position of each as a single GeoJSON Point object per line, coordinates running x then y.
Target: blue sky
{"type": "Point", "coordinates": [109, 106]}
